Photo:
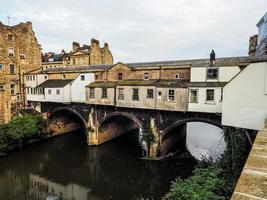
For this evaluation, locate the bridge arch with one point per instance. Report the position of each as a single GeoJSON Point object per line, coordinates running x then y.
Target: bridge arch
{"type": "Point", "coordinates": [116, 124]}
{"type": "Point", "coordinates": [68, 115]}
{"type": "Point", "coordinates": [185, 121]}
{"type": "Point", "coordinates": [178, 134]}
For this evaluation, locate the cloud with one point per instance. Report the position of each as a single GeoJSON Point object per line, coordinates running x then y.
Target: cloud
{"type": "Point", "coordinates": [146, 30]}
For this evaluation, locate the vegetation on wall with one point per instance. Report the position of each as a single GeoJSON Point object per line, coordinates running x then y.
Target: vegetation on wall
{"type": "Point", "coordinates": [214, 180]}
{"type": "Point", "coordinates": [20, 130]}
{"type": "Point", "coordinates": [148, 137]}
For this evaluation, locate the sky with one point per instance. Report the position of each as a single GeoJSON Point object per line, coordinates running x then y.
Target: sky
{"type": "Point", "coordinates": [144, 30]}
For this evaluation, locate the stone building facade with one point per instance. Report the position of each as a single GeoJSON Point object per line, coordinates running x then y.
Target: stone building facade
{"type": "Point", "coordinates": [19, 53]}
{"type": "Point", "coordinates": [84, 55]}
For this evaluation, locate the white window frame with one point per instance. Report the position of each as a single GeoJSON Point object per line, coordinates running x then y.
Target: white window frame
{"type": "Point", "coordinates": [168, 95]}
{"type": "Point", "coordinates": [190, 95]}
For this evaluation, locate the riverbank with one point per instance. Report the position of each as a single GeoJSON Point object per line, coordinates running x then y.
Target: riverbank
{"type": "Point", "coordinates": [21, 130]}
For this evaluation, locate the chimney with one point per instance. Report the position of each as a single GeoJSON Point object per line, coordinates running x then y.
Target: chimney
{"type": "Point", "coordinates": [212, 58]}
{"type": "Point", "coordinates": [62, 52]}
{"type": "Point", "coordinates": [106, 45]}
{"type": "Point", "coordinates": [94, 43]}
{"type": "Point", "coordinates": [253, 41]}
{"type": "Point", "coordinates": [75, 46]}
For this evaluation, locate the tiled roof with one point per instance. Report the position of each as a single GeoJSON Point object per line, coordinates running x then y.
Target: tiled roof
{"type": "Point", "coordinates": [55, 83]}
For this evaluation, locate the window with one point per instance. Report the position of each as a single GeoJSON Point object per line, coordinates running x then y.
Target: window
{"type": "Point", "coordinates": [210, 95]}
{"type": "Point", "coordinates": [135, 96]}
{"type": "Point", "coordinates": [22, 56]}
{"type": "Point", "coordinates": [12, 69]}
{"type": "Point", "coordinates": [171, 95]}
{"type": "Point", "coordinates": [104, 93]}
{"type": "Point", "coordinates": [1, 66]}
{"type": "Point", "coordinates": [159, 95]}
{"type": "Point", "coordinates": [45, 77]}
{"type": "Point", "coordinates": [1, 87]}
{"type": "Point", "coordinates": [11, 52]}
{"type": "Point", "coordinates": [176, 76]}
{"type": "Point", "coordinates": [119, 76]}
{"type": "Point", "coordinates": [18, 98]}
{"type": "Point", "coordinates": [150, 94]}
{"type": "Point", "coordinates": [82, 78]}
{"type": "Point", "coordinates": [33, 78]}
{"type": "Point", "coordinates": [10, 37]}
{"type": "Point", "coordinates": [49, 91]}
{"type": "Point", "coordinates": [212, 73]}
{"type": "Point", "coordinates": [146, 76]}
{"type": "Point", "coordinates": [64, 76]}
{"type": "Point", "coordinates": [73, 61]}
{"type": "Point", "coordinates": [193, 96]}
{"type": "Point", "coordinates": [221, 95]}
{"type": "Point", "coordinates": [92, 93]}
{"type": "Point", "coordinates": [30, 78]}
{"type": "Point", "coordinates": [121, 94]}
{"type": "Point", "coordinates": [28, 90]}
{"type": "Point", "coordinates": [58, 92]}
{"type": "Point", "coordinates": [12, 89]}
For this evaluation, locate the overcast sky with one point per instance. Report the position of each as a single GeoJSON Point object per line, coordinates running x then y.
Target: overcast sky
{"type": "Point", "coordinates": [144, 30]}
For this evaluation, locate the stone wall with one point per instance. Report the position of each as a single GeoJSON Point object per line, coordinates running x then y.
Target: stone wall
{"type": "Point", "coordinates": [19, 53]}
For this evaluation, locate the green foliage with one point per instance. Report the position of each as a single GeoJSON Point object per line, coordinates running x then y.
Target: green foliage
{"type": "Point", "coordinates": [147, 135]}
{"type": "Point", "coordinates": [205, 183]}
{"type": "Point", "coordinates": [20, 128]}
{"type": "Point", "coordinates": [214, 181]}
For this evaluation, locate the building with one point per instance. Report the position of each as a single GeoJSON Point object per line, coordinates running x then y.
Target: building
{"type": "Point", "coordinates": [19, 53]}
{"type": "Point", "coordinates": [84, 55]}
{"type": "Point", "coordinates": [245, 98]}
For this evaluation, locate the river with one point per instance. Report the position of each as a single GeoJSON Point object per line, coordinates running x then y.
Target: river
{"type": "Point", "coordinates": [65, 167]}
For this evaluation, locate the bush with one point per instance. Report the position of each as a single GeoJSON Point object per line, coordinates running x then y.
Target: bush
{"type": "Point", "coordinates": [204, 184]}
{"type": "Point", "coordinates": [20, 128]}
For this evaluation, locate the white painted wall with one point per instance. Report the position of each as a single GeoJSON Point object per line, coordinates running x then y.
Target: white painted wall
{"type": "Point", "coordinates": [245, 98]}
{"type": "Point", "coordinates": [63, 97]}
{"type": "Point", "coordinates": [225, 73]}
{"type": "Point", "coordinates": [78, 87]}
{"type": "Point", "coordinates": [198, 74]}
{"type": "Point", "coordinates": [202, 105]}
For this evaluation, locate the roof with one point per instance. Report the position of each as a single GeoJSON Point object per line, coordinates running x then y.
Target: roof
{"type": "Point", "coordinates": [79, 68]}
{"type": "Point", "coordinates": [207, 84]}
{"type": "Point", "coordinates": [108, 84]}
{"type": "Point", "coordinates": [229, 61]}
{"type": "Point", "coordinates": [55, 83]}
{"type": "Point", "coordinates": [155, 82]}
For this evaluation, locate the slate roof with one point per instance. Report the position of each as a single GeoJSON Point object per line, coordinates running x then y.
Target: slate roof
{"type": "Point", "coordinates": [55, 83]}
{"type": "Point", "coordinates": [230, 61]}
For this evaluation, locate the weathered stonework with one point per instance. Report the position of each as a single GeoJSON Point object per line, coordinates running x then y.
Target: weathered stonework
{"type": "Point", "coordinates": [19, 53]}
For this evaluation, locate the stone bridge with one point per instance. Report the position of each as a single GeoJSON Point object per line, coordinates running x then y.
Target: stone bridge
{"type": "Point", "coordinates": [104, 123]}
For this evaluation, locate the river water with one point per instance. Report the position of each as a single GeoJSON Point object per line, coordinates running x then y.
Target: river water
{"type": "Point", "coordinates": [66, 168]}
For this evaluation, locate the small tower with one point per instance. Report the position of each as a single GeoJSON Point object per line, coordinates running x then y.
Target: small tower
{"type": "Point", "coordinates": [212, 58]}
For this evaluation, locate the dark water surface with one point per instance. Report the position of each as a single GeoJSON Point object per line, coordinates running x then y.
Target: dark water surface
{"type": "Point", "coordinates": [66, 168]}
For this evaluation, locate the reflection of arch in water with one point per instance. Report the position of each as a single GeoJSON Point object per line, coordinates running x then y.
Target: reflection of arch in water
{"type": "Point", "coordinates": [63, 120]}
{"type": "Point", "coordinates": [176, 136]}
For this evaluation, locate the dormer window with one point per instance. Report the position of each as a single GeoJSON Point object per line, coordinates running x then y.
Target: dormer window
{"type": "Point", "coordinates": [212, 73]}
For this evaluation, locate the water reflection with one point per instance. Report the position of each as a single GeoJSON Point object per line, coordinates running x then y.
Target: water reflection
{"type": "Point", "coordinates": [66, 168]}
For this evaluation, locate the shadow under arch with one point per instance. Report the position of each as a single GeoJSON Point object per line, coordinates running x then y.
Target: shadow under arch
{"type": "Point", "coordinates": [69, 114]}
{"type": "Point", "coordinates": [116, 124]}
